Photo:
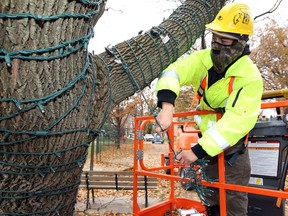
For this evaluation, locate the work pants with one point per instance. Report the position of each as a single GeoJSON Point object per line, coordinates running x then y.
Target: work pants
{"type": "Point", "coordinates": [238, 173]}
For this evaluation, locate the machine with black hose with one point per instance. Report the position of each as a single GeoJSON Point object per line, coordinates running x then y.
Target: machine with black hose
{"type": "Point", "coordinates": [268, 142]}
{"type": "Point", "coordinates": [267, 145]}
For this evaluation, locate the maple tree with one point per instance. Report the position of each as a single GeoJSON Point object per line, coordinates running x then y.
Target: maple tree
{"type": "Point", "coordinates": [120, 114]}
{"type": "Point", "coordinates": [271, 56]}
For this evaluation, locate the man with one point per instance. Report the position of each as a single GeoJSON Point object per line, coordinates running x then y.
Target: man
{"type": "Point", "coordinates": [228, 82]}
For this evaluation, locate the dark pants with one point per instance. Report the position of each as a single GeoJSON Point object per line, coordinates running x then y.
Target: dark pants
{"type": "Point", "coordinates": [239, 173]}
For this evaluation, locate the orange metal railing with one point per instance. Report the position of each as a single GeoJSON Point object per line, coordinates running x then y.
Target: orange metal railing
{"type": "Point", "coordinates": [159, 209]}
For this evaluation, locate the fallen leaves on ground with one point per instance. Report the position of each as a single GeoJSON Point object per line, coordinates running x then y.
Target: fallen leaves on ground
{"type": "Point", "coordinates": [112, 159]}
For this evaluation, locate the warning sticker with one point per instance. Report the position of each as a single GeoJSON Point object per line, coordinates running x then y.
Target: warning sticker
{"type": "Point", "coordinates": [256, 181]}
{"type": "Point", "coordinates": [264, 157]}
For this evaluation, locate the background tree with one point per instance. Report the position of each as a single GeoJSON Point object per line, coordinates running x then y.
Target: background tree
{"type": "Point", "coordinates": [149, 107]}
{"type": "Point", "coordinates": [55, 97]}
{"type": "Point", "coordinates": [184, 102]}
{"type": "Point", "coordinates": [120, 114]}
{"type": "Point", "coordinates": [271, 56]}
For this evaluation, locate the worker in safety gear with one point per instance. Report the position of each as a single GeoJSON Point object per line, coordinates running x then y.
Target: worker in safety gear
{"type": "Point", "coordinates": [226, 81]}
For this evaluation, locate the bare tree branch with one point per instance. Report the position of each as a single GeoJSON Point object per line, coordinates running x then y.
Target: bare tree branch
{"type": "Point", "coordinates": [274, 8]}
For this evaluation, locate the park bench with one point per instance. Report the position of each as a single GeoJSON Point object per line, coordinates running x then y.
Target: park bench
{"type": "Point", "coordinates": [117, 180]}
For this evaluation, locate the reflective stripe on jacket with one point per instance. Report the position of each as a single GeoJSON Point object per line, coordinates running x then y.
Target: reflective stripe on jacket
{"type": "Point", "coordinates": [242, 106]}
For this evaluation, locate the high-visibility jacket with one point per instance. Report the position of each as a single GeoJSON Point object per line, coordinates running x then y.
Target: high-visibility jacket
{"type": "Point", "coordinates": [242, 105]}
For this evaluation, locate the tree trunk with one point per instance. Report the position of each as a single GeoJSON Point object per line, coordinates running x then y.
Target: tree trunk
{"type": "Point", "coordinates": [134, 63]}
{"type": "Point", "coordinates": [54, 99]}
{"type": "Point", "coordinates": [118, 137]}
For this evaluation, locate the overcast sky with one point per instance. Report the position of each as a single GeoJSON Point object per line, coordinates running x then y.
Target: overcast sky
{"type": "Point", "coordinates": [125, 18]}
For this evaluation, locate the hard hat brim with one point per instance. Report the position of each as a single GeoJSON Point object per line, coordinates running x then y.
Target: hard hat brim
{"type": "Point", "coordinates": [224, 34]}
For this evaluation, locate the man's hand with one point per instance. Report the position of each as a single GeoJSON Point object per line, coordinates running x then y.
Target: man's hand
{"type": "Point", "coordinates": [164, 118]}
{"type": "Point", "coordinates": [187, 157]}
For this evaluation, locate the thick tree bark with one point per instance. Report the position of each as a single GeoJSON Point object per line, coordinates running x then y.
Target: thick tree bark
{"type": "Point", "coordinates": [46, 123]}
{"type": "Point", "coordinates": [40, 160]}
{"type": "Point", "coordinates": [135, 63]}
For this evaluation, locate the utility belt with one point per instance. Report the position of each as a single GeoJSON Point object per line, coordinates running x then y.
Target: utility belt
{"type": "Point", "coordinates": [231, 158]}
{"type": "Point", "coordinates": [241, 146]}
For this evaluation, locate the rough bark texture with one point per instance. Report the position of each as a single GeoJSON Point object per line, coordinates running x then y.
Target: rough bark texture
{"type": "Point", "coordinates": [40, 160]}
{"type": "Point", "coordinates": [144, 57]}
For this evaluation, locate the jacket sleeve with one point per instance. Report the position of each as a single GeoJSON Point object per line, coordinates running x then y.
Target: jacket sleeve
{"type": "Point", "coordinates": [186, 71]}
{"type": "Point", "coordinates": [241, 113]}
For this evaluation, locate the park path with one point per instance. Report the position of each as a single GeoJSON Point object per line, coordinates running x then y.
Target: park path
{"type": "Point", "coordinates": [122, 159]}
{"type": "Point", "coordinates": [109, 201]}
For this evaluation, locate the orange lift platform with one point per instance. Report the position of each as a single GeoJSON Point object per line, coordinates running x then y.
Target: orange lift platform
{"type": "Point", "coordinates": [173, 203]}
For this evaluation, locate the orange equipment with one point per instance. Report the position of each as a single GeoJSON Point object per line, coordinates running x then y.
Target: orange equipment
{"type": "Point", "coordinates": [177, 202]}
{"type": "Point", "coordinates": [187, 137]}
{"type": "Point", "coordinates": [140, 169]}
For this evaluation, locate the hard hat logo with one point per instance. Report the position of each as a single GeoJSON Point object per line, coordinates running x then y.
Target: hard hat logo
{"type": "Point", "coordinates": [220, 18]}
{"type": "Point", "coordinates": [242, 17]}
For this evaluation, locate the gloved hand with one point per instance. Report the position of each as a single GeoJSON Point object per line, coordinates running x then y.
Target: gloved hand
{"type": "Point", "coordinates": [164, 118]}
{"type": "Point", "coordinates": [186, 157]}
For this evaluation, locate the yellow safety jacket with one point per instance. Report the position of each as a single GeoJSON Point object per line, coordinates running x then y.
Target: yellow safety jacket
{"type": "Point", "coordinates": [242, 104]}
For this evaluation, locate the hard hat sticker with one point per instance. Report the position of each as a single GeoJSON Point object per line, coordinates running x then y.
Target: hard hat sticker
{"type": "Point", "coordinates": [242, 17]}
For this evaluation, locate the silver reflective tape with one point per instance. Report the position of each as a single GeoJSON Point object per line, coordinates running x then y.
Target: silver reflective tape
{"type": "Point", "coordinates": [172, 74]}
{"type": "Point", "coordinates": [198, 119]}
{"type": "Point", "coordinates": [201, 91]}
{"type": "Point", "coordinates": [218, 138]}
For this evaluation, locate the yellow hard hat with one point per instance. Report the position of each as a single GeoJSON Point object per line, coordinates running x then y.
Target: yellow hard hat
{"type": "Point", "coordinates": [233, 18]}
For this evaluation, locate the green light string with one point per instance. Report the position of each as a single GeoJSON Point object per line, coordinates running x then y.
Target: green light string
{"type": "Point", "coordinates": [44, 132]}
{"type": "Point", "coordinates": [35, 134]}
{"type": "Point", "coordinates": [132, 78]}
{"type": "Point", "coordinates": [196, 175]}
{"type": "Point", "coordinates": [165, 33]}
{"type": "Point", "coordinates": [192, 15]}
{"type": "Point", "coordinates": [62, 50]}
{"type": "Point", "coordinates": [207, 10]}
{"type": "Point", "coordinates": [39, 102]}
{"type": "Point", "coordinates": [146, 56]}
{"type": "Point", "coordinates": [111, 99]}
{"type": "Point", "coordinates": [127, 70]}
{"type": "Point", "coordinates": [56, 153]}
{"type": "Point", "coordinates": [56, 211]}
{"type": "Point", "coordinates": [44, 170]}
{"type": "Point", "coordinates": [158, 32]}
{"type": "Point", "coordinates": [83, 76]}
{"type": "Point", "coordinates": [95, 2]}
{"type": "Point", "coordinates": [38, 17]}
{"type": "Point", "coordinates": [189, 42]}
{"type": "Point", "coordinates": [138, 62]}
{"type": "Point", "coordinates": [95, 83]}
{"type": "Point", "coordinates": [65, 49]}
{"type": "Point", "coordinates": [195, 172]}
{"type": "Point", "coordinates": [30, 194]}
{"type": "Point", "coordinates": [156, 45]}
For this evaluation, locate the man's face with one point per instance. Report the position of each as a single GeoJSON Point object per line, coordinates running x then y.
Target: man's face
{"type": "Point", "coordinates": [225, 49]}
{"type": "Point", "coordinates": [222, 40]}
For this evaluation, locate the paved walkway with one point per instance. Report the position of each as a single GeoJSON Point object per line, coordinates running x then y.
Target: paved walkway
{"type": "Point", "coordinates": [122, 205]}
